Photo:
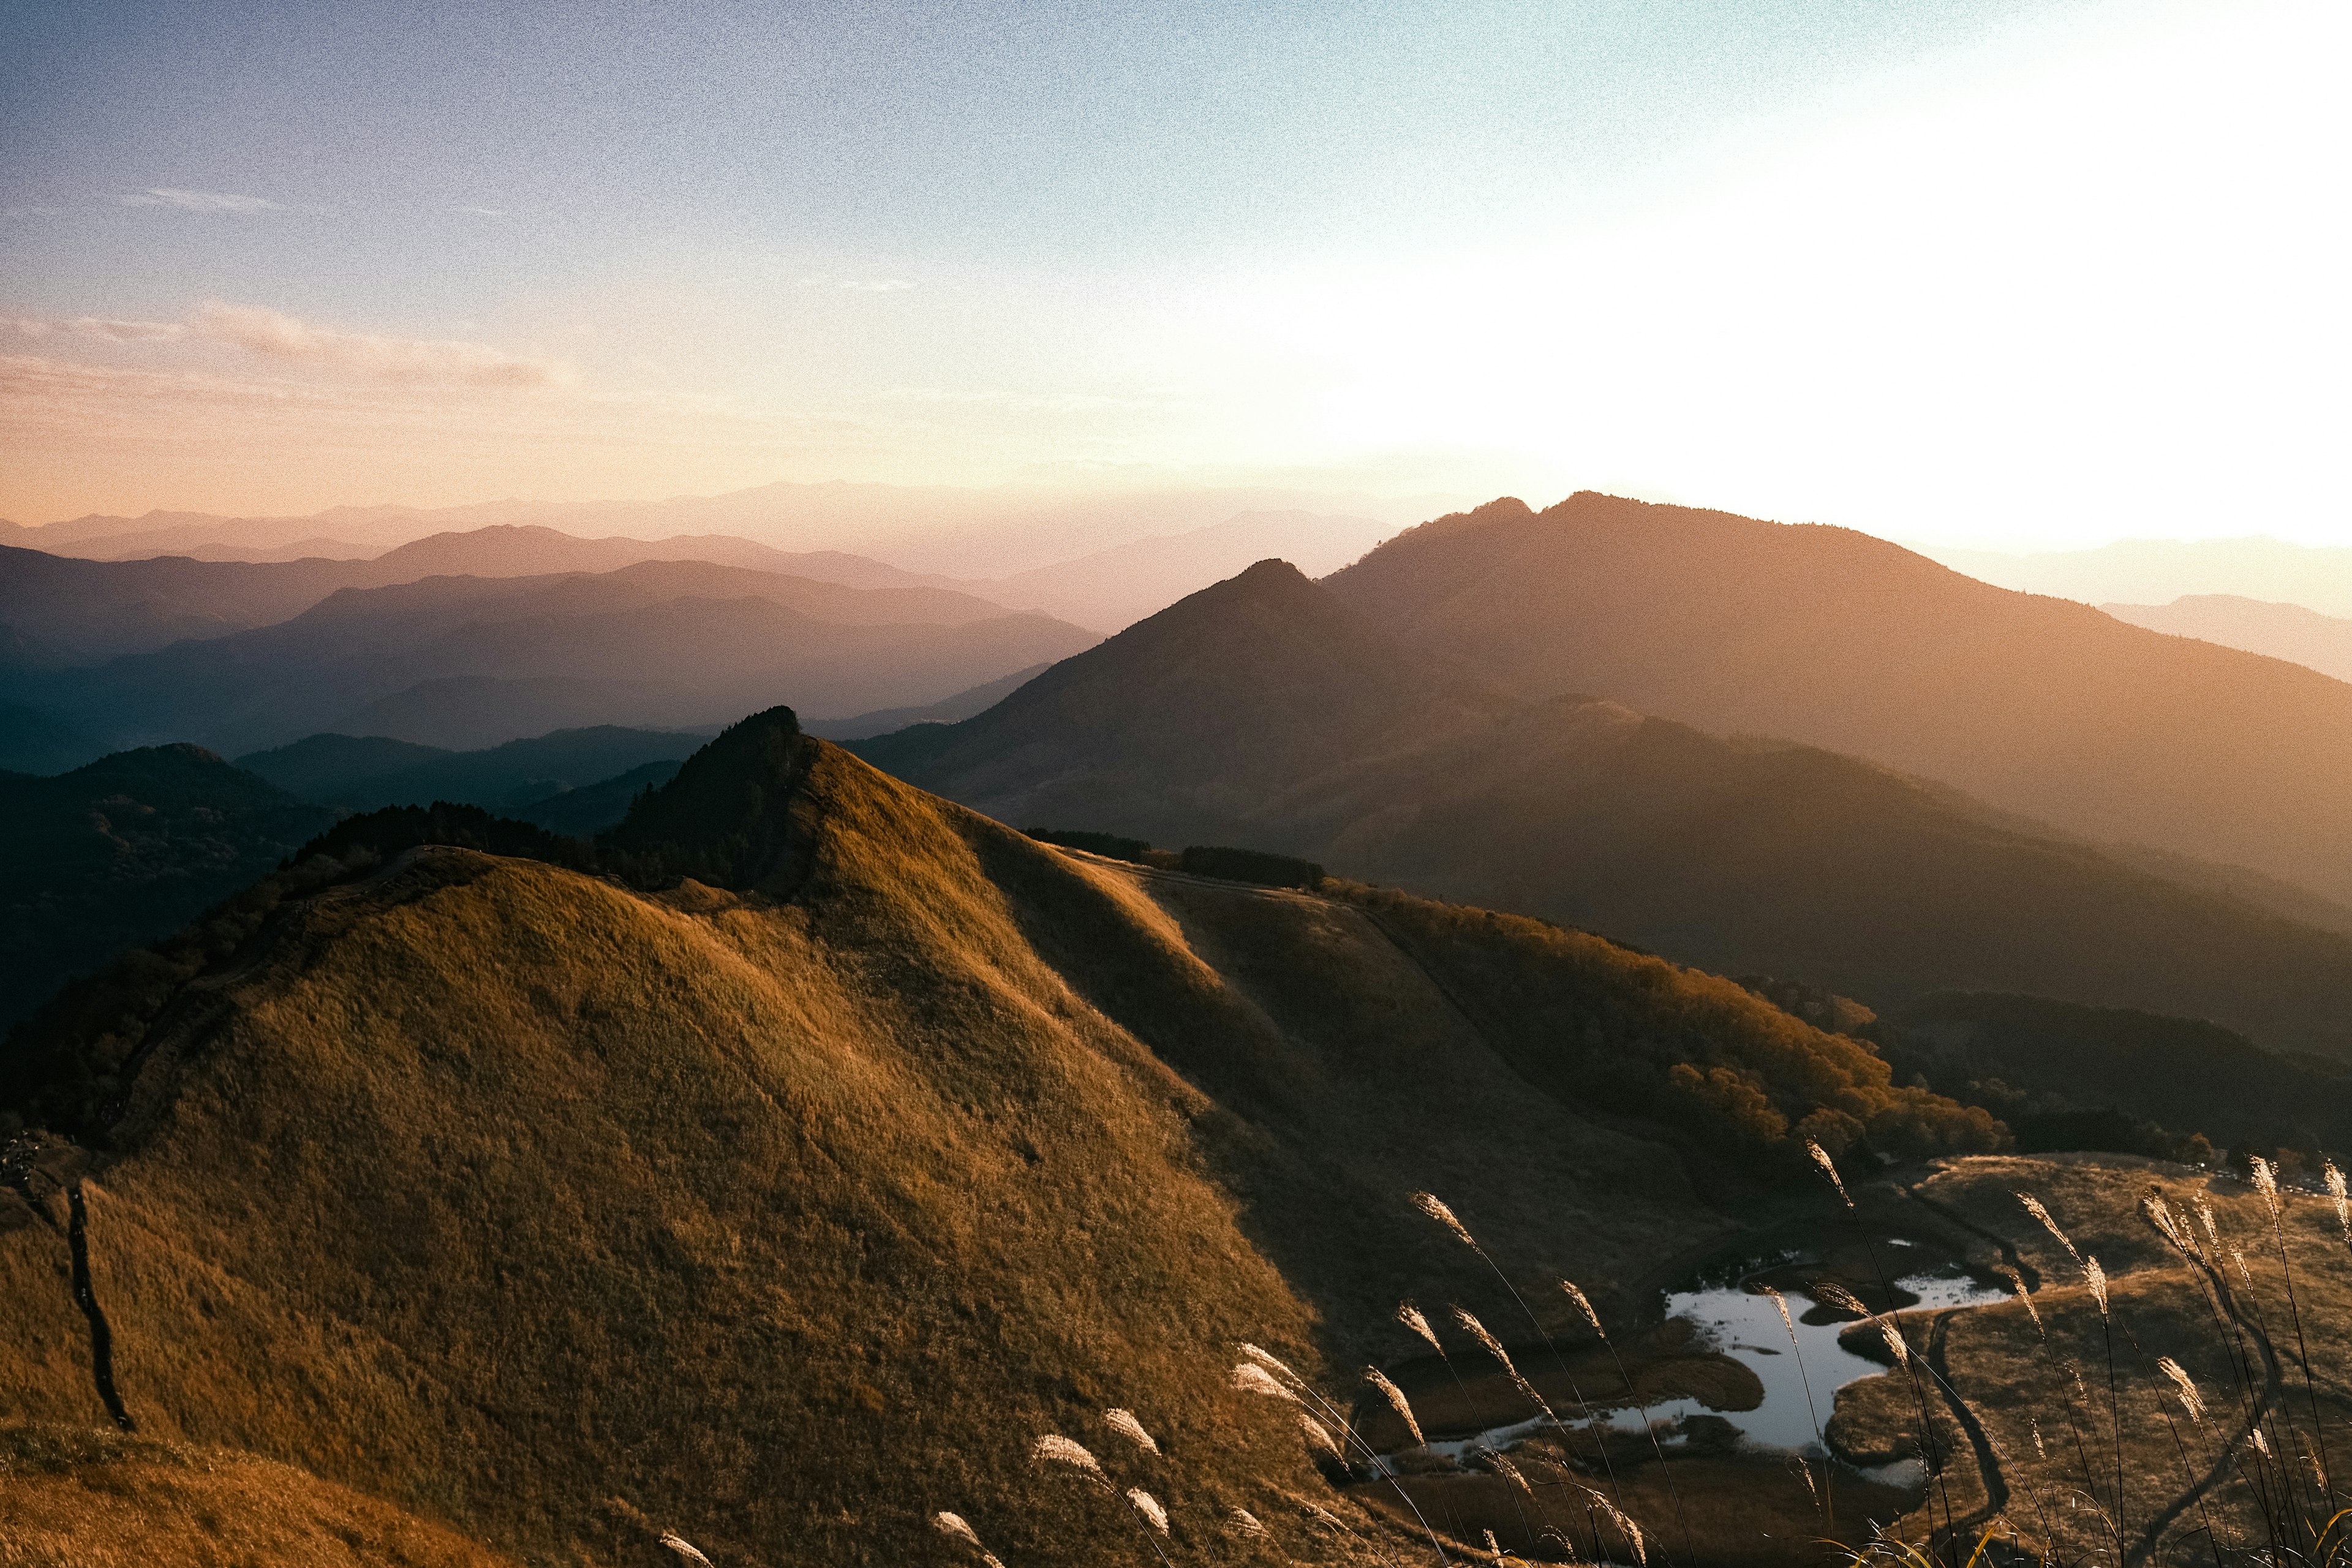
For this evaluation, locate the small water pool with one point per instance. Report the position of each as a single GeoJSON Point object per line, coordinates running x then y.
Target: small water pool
{"type": "Point", "coordinates": [1740, 1322]}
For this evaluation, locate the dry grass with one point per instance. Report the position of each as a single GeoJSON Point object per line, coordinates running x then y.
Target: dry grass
{"type": "Point", "coordinates": [73, 1498]}
{"type": "Point", "coordinates": [570, 1216]}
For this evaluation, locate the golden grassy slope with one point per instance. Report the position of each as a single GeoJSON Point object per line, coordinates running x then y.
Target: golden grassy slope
{"type": "Point", "coordinates": [73, 1499]}
{"type": "Point", "coordinates": [567, 1213]}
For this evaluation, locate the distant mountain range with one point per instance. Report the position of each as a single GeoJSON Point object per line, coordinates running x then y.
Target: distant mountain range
{"type": "Point", "coordinates": [2158, 571]}
{"type": "Point", "coordinates": [76, 611]}
{"type": "Point", "coordinates": [363, 774]}
{"type": "Point", "coordinates": [2290, 632]}
{"type": "Point", "coordinates": [466, 662]}
{"type": "Point", "coordinates": [959, 533]}
{"type": "Point", "coordinates": [1269, 711]}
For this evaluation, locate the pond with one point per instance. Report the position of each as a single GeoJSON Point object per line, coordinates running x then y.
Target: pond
{"type": "Point", "coordinates": [1733, 1318]}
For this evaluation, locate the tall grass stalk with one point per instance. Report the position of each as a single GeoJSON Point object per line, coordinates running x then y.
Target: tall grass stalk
{"type": "Point", "coordinates": [1298, 1390]}
{"type": "Point", "coordinates": [2266, 1183]}
{"type": "Point", "coordinates": [1434, 1207]}
{"type": "Point", "coordinates": [1812, 1412]}
{"type": "Point", "coordinates": [1937, 1483]}
{"type": "Point", "coordinates": [1584, 1304]}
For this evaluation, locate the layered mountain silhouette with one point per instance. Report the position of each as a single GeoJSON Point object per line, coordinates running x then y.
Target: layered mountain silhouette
{"type": "Point", "coordinates": [809, 1125]}
{"type": "Point", "coordinates": [124, 850]}
{"type": "Point", "coordinates": [73, 611]}
{"type": "Point", "coordinates": [365, 773]}
{"type": "Point", "coordinates": [2290, 632]}
{"type": "Point", "coordinates": [1831, 638]}
{"type": "Point", "coordinates": [466, 662]}
{"type": "Point", "coordinates": [1271, 712]}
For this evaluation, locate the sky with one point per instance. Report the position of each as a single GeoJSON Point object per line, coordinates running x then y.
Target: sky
{"type": "Point", "coordinates": [1976, 273]}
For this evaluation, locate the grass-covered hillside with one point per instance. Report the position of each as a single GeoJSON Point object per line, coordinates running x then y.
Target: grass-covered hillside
{"type": "Point", "coordinates": [786, 1203]}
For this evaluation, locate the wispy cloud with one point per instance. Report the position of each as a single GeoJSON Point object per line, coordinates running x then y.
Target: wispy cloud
{"type": "Point", "coordinates": [365, 356]}
{"type": "Point", "coordinates": [481, 212]}
{"type": "Point", "coordinates": [198, 200]}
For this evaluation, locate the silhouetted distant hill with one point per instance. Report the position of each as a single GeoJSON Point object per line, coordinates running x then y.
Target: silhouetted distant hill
{"type": "Point", "coordinates": [1266, 712]}
{"type": "Point", "coordinates": [2303, 636]}
{"type": "Point", "coordinates": [81, 611]}
{"type": "Point", "coordinates": [947, 711]}
{"type": "Point", "coordinates": [2043, 1064]}
{"type": "Point", "coordinates": [361, 773]}
{"type": "Point", "coordinates": [2158, 571]}
{"type": "Point", "coordinates": [1191, 723]}
{"type": "Point", "coordinates": [888, 1128]}
{"type": "Point", "coordinates": [34, 741]}
{"type": "Point", "coordinates": [471, 661]}
{"type": "Point", "coordinates": [586, 810]}
{"type": "Point", "coordinates": [1114, 588]}
{"type": "Point", "coordinates": [1838, 640]}
{"type": "Point", "coordinates": [124, 850]}
{"type": "Point", "coordinates": [75, 611]}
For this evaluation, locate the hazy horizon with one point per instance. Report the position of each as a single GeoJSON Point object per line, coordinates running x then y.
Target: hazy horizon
{"type": "Point", "coordinates": [1986, 275]}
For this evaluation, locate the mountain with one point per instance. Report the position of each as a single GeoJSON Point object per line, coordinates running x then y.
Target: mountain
{"type": "Point", "coordinates": [85, 611]}
{"type": "Point", "coordinates": [962, 532]}
{"type": "Point", "coordinates": [467, 662]}
{"type": "Point", "coordinates": [2290, 632]}
{"type": "Point", "coordinates": [582, 811]}
{"type": "Point", "coordinates": [72, 611]}
{"type": "Point", "coordinates": [2047, 1067]}
{"type": "Point", "coordinates": [34, 741]}
{"type": "Point", "coordinates": [1837, 639]}
{"type": "Point", "coordinates": [123, 850]}
{"type": "Point", "coordinates": [361, 773]}
{"type": "Point", "coordinates": [946, 710]}
{"type": "Point", "coordinates": [785, 1203]}
{"type": "Point", "coordinates": [1114, 588]}
{"type": "Point", "coordinates": [1186, 724]}
{"type": "Point", "coordinates": [1266, 712]}
{"type": "Point", "coordinates": [2157, 571]}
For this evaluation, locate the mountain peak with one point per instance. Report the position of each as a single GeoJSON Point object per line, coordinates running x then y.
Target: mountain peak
{"type": "Point", "coordinates": [727, 817]}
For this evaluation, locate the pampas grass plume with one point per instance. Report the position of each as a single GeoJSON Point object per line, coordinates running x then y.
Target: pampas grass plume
{"type": "Point", "coordinates": [1837, 1298]}
{"type": "Point", "coordinates": [2024, 1297]}
{"type": "Point", "coordinates": [1410, 1316]}
{"type": "Point", "coordinates": [1251, 1378]}
{"type": "Point", "coordinates": [1124, 1422]}
{"type": "Point", "coordinates": [2033, 1206]}
{"type": "Point", "coordinates": [1829, 1168]}
{"type": "Point", "coordinates": [1242, 1521]}
{"type": "Point", "coordinates": [1584, 1306]}
{"type": "Point", "coordinates": [1060, 1450]}
{"type": "Point", "coordinates": [2191, 1400]}
{"type": "Point", "coordinates": [1148, 1506]}
{"type": "Point", "coordinates": [1397, 1402]}
{"type": "Point", "coordinates": [2266, 1177]}
{"type": "Point", "coordinates": [1434, 1207]}
{"type": "Point", "coordinates": [955, 1524]}
{"type": "Point", "coordinates": [684, 1548]}
{"type": "Point", "coordinates": [1319, 1436]}
{"type": "Point", "coordinates": [1469, 1321]}
{"type": "Point", "coordinates": [2096, 1279]}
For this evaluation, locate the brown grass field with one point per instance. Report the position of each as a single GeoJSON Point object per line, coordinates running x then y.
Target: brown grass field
{"type": "Point", "coordinates": [481, 1201]}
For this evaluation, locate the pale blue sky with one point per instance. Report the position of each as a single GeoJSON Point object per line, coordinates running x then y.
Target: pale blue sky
{"type": "Point", "coordinates": [611, 249]}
